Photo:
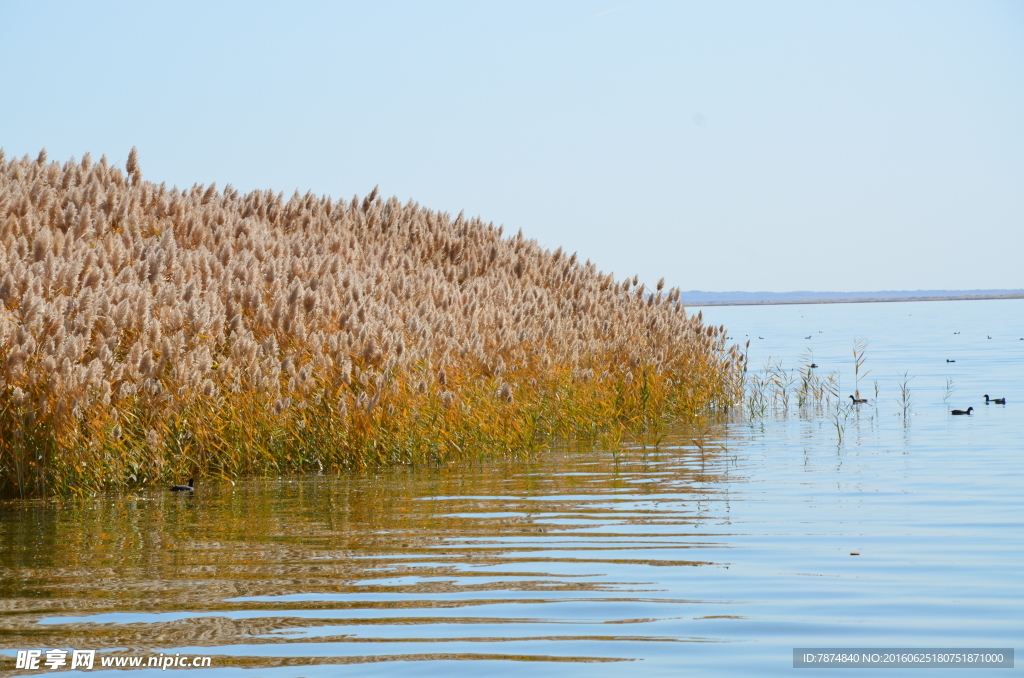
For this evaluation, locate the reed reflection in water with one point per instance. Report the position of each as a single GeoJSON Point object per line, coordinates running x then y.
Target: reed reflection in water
{"type": "Point", "coordinates": [562, 558]}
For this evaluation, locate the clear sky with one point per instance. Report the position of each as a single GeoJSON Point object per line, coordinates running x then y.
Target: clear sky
{"type": "Point", "coordinates": [723, 145]}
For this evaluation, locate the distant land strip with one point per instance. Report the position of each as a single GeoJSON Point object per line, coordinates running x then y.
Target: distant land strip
{"type": "Point", "coordinates": [699, 298]}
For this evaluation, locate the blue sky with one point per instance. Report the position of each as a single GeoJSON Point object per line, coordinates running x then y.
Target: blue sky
{"type": "Point", "coordinates": [723, 145]}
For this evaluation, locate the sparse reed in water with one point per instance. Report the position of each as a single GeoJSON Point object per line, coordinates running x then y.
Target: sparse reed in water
{"type": "Point", "coordinates": [860, 346]}
{"type": "Point", "coordinates": [150, 333]}
{"type": "Point", "coordinates": [905, 400]}
{"type": "Point", "coordinates": [770, 389]}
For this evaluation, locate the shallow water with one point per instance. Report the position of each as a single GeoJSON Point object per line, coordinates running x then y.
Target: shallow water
{"type": "Point", "coordinates": [661, 560]}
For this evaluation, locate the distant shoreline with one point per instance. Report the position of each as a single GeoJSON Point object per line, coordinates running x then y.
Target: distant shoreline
{"type": "Point", "coordinates": [966, 297]}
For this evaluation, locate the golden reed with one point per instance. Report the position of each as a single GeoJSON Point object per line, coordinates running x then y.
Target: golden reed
{"type": "Point", "coordinates": [148, 333]}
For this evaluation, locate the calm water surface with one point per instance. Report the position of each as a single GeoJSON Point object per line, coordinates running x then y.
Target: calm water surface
{"type": "Point", "coordinates": [662, 560]}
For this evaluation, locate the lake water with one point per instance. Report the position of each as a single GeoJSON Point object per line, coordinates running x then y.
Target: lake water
{"type": "Point", "coordinates": [660, 561]}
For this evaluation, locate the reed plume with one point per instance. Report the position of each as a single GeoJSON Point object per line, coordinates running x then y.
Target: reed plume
{"type": "Point", "coordinates": [149, 332]}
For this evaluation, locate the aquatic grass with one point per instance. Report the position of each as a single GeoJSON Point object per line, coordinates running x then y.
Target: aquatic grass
{"type": "Point", "coordinates": [770, 389]}
{"type": "Point", "coordinates": [839, 411]}
{"type": "Point", "coordinates": [150, 333]}
{"type": "Point", "coordinates": [758, 393]}
{"type": "Point", "coordinates": [806, 390]}
{"type": "Point", "coordinates": [905, 401]}
{"type": "Point", "coordinates": [948, 390]}
{"type": "Point", "coordinates": [782, 381]}
{"type": "Point", "coordinates": [859, 348]}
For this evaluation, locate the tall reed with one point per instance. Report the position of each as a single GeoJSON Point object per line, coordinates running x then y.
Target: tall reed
{"type": "Point", "coordinates": [149, 332]}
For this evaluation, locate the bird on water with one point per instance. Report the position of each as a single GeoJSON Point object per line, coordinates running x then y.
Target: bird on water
{"type": "Point", "coordinates": [858, 401]}
{"type": "Point", "coordinates": [997, 401]}
{"type": "Point", "coordinates": [184, 488]}
{"type": "Point", "coordinates": [967, 411]}
{"type": "Point", "coordinates": [950, 361]}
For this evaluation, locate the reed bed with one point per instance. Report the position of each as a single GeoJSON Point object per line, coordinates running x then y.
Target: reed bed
{"type": "Point", "coordinates": [149, 333]}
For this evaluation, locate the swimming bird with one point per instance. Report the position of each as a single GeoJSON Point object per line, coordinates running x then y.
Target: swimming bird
{"type": "Point", "coordinates": [183, 488]}
{"type": "Point", "coordinates": [950, 361]}
{"type": "Point", "coordinates": [989, 336]}
{"type": "Point", "coordinates": [813, 365]}
{"type": "Point", "coordinates": [967, 411]}
{"type": "Point", "coordinates": [858, 401]}
{"type": "Point", "coordinates": [807, 337]}
{"type": "Point", "coordinates": [997, 401]}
